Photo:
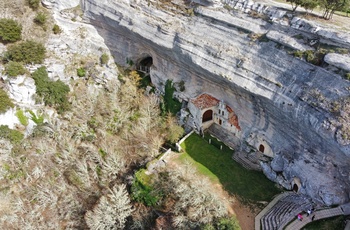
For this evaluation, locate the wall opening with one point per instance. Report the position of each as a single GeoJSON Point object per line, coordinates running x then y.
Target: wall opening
{"type": "Point", "coordinates": [145, 64]}
{"type": "Point", "coordinates": [207, 115]}
{"type": "Point", "coordinates": [295, 188]}
{"type": "Point", "coordinates": [220, 122]}
{"type": "Point", "coordinates": [262, 148]}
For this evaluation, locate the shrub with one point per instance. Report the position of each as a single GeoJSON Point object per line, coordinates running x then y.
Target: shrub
{"type": "Point", "coordinates": [13, 135]}
{"type": "Point", "coordinates": [22, 117]}
{"type": "Point", "coordinates": [298, 54]}
{"type": "Point", "coordinates": [81, 72]}
{"type": "Point", "coordinates": [309, 55]}
{"type": "Point", "coordinates": [34, 4]}
{"type": "Point", "coordinates": [40, 18]}
{"type": "Point", "coordinates": [39, 120]}
{"type": "Point", "coordinates": [54, 93]}
{"type": "Point", "coordinates": [104, 59]}
{"type": "Point", "coordinates": [5, 101]}
{"type": "Point", "coordinates": [10, 30]}
{"type": "Point", "coordinates": [142, 191]}
{"type": "Point", "coordinates": [171, 104]}
{"type": "Point", "coordinates": [347, 76]}
{"type": "Point", "coordinates": [26, 52]}
{"type": "Point", "coordinates": [56, 29]}
{"type": "Point", "coordinates": [14, 69]}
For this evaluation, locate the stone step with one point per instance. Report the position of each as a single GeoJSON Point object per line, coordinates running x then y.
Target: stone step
{"type": "Point", "coordinates": [240, 161]}
{"type": "Point", "coordinates": [245, 162]}
{"type": "Point", "coordinates": [284, 211]}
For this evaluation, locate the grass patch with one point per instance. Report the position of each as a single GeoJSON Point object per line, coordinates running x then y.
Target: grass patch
{"type": "Point", "coordinates": [333, 223]}
{"type": "Point", "coordinates": [171, 104]}
{"type": "Point", "coordinates": [13, 135]}
{"type": "Point", "coordinates": [22, 117]}
{"type": "Point", "coordinates": [250, 186]}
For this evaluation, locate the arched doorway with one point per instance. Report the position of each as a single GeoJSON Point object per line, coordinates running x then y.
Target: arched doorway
{"type": "Point", "coordinates": [207, 115]}
{"type": "Point", "coordinates": [262, 148]}
{"type": "Point", "coordinates": [145, 64]}
{"type": "Point", "coordinates": [295, 188]}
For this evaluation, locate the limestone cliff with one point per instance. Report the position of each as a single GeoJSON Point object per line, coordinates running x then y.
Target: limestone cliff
{"type": "Point", "coordinates": [295, 108]}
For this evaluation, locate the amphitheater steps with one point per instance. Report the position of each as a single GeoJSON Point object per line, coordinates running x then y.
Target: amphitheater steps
{"type": "Point", "coordinates": [284, 211]}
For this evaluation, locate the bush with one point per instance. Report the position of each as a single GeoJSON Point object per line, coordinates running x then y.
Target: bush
{"type": "Point", "coordinates": [13, 135]}
{"type": "Point", "coordinates": [10, 30]}
{"type": "Point", "coordinates": [40, 18]}
{"type": "Point", "coordinates": [347, 76]}
{"type": "Point", "coordinates": [38, 120]}
{"type": "Point", "coordinates": [142, 191]}
{"type": "Point", "coordinates": [56, 29]}
{"type": "Point", "coordinates": [104, 59]}
{"type": "Point", "coordinates": [54, 93]}
{"type": "Point", "coordinates": [5, 101]}
{"type": "Point", "coordinates": [171, 104]}
{"type": "Point", "coordinates": [22, 117]}
{"type": "Point", "coordinates": [34, 4]}
{"type": "Point", "coordinates": [298, 54]}
{"type": "Point", "coordinates": [81, 72]}
{"type": "Point", "coordinates": [13, 69]}
{"type": "Point", "coordinates": [26, 52]}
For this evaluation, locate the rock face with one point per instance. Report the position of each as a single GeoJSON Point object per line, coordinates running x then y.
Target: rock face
{"type": "Point", "coordinates": [282, 103]}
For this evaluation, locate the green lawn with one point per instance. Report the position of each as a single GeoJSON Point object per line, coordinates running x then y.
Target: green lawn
{"type": "Point", "coordinates": [249, 186]}
{"type": "Point", "coordinates": [333, 223]}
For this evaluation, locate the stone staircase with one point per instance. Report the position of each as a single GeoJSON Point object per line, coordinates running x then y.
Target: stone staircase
{"type": "Point", "coordinates": [223, 135]}
{"type": "Point", "coordinates": [284, 211]}
{"type": "Point", "coordinates": [248, 161]}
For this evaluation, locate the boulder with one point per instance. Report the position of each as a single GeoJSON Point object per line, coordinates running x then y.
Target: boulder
{"type": "Point", "coordinates": [338, 60]}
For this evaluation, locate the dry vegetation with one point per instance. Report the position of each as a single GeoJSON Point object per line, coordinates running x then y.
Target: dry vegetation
{"type": "Point", "coordinates": [69, 165]}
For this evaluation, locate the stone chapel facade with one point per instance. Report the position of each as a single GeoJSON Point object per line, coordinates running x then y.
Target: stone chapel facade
{"type": "Point", "coordinates": [208, 110]}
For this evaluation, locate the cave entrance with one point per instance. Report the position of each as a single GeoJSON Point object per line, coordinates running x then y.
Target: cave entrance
{"type": "Point", "coordinates": [295, 188]}
{"type": "Point", "coordinates": [145, 65]}
{"type": "Point", "coordinates": [262, 148]}
{"type": "Point", "coordinates": [207, 115]}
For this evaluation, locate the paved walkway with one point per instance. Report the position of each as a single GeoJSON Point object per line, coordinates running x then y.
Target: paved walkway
{"type": "Point", "coordinates": [321, 214]}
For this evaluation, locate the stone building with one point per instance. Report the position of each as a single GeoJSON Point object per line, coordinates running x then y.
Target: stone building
{"type": "Point", "coordinates": [208, 110]}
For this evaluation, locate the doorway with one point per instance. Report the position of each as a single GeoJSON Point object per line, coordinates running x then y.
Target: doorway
{"type": "Point", "coordinates": [262, 148]}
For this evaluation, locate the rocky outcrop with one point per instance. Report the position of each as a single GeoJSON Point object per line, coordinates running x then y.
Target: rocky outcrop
{"type": "Point", "coordinates": [338, 60]}
{"type": "Point", "coordinates": [240, 59]}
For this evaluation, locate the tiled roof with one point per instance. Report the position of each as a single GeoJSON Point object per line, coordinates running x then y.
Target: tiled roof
{"type": "Point", "coordinates": [228, 108]}
{"type": "Point", "coordinates": [233, 120]}
{"type": "Point", "coordinates": [204, 101]}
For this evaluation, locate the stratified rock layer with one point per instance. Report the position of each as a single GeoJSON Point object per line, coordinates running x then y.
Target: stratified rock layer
{"type": "Point", "coordinates": [276, 97]}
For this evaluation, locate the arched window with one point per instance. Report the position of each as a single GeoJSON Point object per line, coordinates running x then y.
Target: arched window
{"type": "Point", "coordinates": [207, 115]}
{"type": "Point", "coordinates": [262, 148]}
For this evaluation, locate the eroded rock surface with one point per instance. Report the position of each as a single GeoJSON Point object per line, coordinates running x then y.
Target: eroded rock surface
{"type": "Point", "coordinates": [282, 102]}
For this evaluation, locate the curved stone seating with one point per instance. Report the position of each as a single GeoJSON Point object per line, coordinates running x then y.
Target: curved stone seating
{"type": "Point", "coordinates": [284, 211]}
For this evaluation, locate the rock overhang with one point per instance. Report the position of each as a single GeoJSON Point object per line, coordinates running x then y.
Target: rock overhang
{"type": "Point", "coordinates": [268, 88]}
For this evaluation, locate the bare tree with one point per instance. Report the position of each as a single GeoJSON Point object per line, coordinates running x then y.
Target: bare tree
{"type": "Point", "coordinates": [111, 211]}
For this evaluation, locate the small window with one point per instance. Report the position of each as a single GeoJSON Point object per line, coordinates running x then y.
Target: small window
{"type": "Point", "coordinates": [222, 113]}
{"type": "Point", "coordinates": [219, 111]}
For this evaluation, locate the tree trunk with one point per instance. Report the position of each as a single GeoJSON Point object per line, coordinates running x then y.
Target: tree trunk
{"type": "Point", "coordinates": [294, 8]}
